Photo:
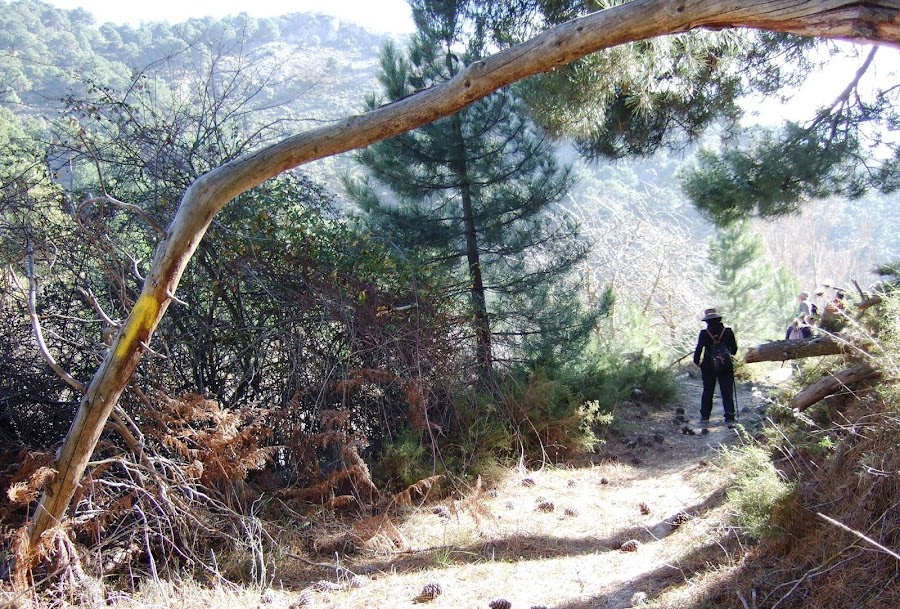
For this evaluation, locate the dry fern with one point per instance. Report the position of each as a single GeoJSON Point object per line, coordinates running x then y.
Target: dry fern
{"type": "Point", "coordinates": [419, 491]}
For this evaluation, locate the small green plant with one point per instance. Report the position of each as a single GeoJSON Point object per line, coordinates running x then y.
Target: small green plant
{"type": "Point", "coordinates": [824, 445]}
{"type": "Point", "coordinates": [756, 489]}
{"type": "Point", "coordinates": [442, 558]}
{"type": "Point", "coordinates": [592, 419]}
{"type": "Point", "coordinates": [781, 413]}
{"type": "Point", "coordinates": [402, 461]}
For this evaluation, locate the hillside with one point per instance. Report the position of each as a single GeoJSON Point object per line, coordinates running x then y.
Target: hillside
{"type": "Point", "coordinates": [312, 68]}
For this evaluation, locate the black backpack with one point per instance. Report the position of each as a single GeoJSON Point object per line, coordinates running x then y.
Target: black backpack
{"type": "Point", "coordinates": [720, 354]}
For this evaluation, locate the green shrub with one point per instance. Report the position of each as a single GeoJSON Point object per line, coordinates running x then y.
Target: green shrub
{"type": "Point", "coordinates": [756, 489]}
{"type": "Point", "coordinates": [402, 462]}
{"type": "Point", "coordinates": [543, 415]}
{"type": "Point", "coordinates": [610, 378]}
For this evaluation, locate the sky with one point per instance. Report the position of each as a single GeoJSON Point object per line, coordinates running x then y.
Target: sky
{"type": "Point", "coordinates": [375, 15]}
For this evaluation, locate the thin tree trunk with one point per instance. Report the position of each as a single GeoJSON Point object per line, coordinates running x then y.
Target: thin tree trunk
{"type": "Point", "coordinates": [860, 20]}
{"type": "Point", "coordinates": [480, 319]}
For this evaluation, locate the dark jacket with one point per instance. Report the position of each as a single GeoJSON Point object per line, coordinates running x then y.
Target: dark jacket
{"type": "Point", "coordinates": [705, 341]}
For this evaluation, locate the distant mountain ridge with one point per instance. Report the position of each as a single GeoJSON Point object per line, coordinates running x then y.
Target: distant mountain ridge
{"type": "Point", "coordinates": [47, 53]}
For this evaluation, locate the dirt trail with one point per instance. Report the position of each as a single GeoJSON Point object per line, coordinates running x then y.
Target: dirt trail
{"type": "Point", "coordinates": [654, 485]}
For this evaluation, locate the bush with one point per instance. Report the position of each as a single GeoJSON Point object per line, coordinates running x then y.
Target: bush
{"type": "Point", "coordinates": [756, 490]}
{"type": "Point", "coordinates": [402, 462]}
{"type": "Point", "coordinates": [610, 378]}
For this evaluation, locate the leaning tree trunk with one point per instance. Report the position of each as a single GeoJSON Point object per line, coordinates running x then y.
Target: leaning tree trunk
{"type": "Point", "coordinates": [866, 21]}
{"type": "Point", "coordinates": [832, 384]}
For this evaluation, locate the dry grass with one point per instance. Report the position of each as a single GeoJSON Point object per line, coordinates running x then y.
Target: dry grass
{"type": "Point", "coordinates": [506, 542]}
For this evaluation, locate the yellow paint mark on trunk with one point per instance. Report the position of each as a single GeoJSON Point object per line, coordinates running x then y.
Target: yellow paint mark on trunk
{"type": "Point", "coordinates": [138, 327]}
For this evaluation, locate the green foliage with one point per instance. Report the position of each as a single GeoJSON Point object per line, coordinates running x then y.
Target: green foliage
{"type": "Point", "coordinates": [474, 195]}
{"type": "Point", "coordinates": [756, 489]}
{"type": "Point", "coordinates": [625, 328]}
{"type": "Point", "coordinates": [481, 438]}
{"type": "Point", "coordinates": [773, 173]}
{"type": "Point", "coordinates": [536, 415]}
{"type": "Point", "coordinates": [609, 378]}
{"type": "Point", "coordinates": [756, 299]}
{"type": "Point", "coordinates": [637, 98]}
{"type": "Point", "coordinates": [888, 328]}
{"type": "Point", "coordinates": [402, 461]}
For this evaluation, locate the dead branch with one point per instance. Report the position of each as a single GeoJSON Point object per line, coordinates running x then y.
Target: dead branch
{"type": "Point", "coordinates": [868, 540]}
{"type": "Point", "coordinates": [95, 304]}
{"type": "Point", "coordinates": [866, 303]}
{"type": "Point", "coordinates": [105, 198]}
{"type": "Point", "coordinates": [36, 326]}
{"type": "Point", "coordinates": [831, 384]}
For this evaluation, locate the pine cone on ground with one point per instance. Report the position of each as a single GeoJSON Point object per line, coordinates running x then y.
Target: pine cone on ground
{"type": "Point", "coordinates": [570, 511]}
{"type": "Point", "coordinates": [500, 603]}
{"type": "Point", "coordinates": [431, 591]}
{"type": "Point", "coordinates": [304, 599]}
{"type": "Point", "coordinates": [527, 481]}
{"type": "Point", "coordinates": [631, 545]}
{"type": "Point", "coordinates": [645, 509]}
{"type": "Point", "coordinates": [572, 483]}
{"type": "Point", "coordinates": [679, 519]}
{"type": "Point", "coordinates": [546, 506]}
{"type": "Point", "coordinates": [441, 511]}
{"type": "Point", "coordinates": [604, 481]}
{"type": "Point", "coordinates": [326, 586]}
{"type": "Point", "coordinates": [267, 598]}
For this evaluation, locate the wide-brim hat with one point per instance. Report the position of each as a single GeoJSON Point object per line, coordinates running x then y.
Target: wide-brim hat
{"type": "Point", "coordinates": [710, 314]}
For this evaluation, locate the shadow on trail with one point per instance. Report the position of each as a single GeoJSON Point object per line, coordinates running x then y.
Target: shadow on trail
{"type": "Point", "coordinates": [700, 559]}
{"type": "Point", "coordinates": [518, 548]}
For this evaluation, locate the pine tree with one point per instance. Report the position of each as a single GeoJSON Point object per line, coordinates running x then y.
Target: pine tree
{"type": "Point", "coordinates": [755, 297]}
{"type": "Point", "coordinates": [475, 193]}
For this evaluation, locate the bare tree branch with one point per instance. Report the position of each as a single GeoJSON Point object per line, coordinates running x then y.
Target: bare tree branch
{"type": "Point", "coordinates": [783, 350]}
{"type": "Point", "coordinates": [36, 325]}
{"type": "Point", "coordinates": [831, 384]}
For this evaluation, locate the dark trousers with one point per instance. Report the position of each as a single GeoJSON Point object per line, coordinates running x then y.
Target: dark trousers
{"type": "Point", "coordinates": [726, 386]}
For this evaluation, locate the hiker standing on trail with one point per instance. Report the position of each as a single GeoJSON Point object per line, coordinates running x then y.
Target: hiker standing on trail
{"type": "Point", "coordinates": [717, 345]}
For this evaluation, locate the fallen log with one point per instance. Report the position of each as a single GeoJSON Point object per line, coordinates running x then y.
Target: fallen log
{"type": "Point", "coordinates": [783, 350]}
{"type": "Point", "coordinates": [832, 384]}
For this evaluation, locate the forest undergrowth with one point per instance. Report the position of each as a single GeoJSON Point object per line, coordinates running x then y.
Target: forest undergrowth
{"type": "Point", "coordinates": [789, 510]}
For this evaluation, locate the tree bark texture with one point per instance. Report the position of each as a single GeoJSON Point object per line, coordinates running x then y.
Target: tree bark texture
{"type": "Point", "coordinates": [861, 21]}
{"type": "Point", "coordinates": [832, 384]}
{"type": "Point", "coordinates": [783, 350]}
{"type": "Point", "coordinates": [477, 295]}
